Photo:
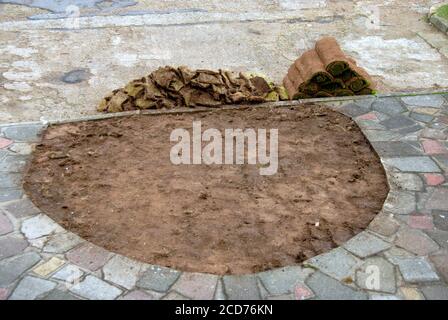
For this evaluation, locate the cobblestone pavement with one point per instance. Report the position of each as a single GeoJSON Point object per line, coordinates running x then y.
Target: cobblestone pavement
{"type": "Point", "coordinates": [403, 254]}
{"type": "Point", "coordinates": [57, 61]}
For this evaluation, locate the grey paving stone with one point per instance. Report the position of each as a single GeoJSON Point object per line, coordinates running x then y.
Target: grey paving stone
{"type": "Point", "coordinates": [10, 194]}
{"type": "Point", "coordinates": [365, 103]}
{"type": "Point", "coordinates": [58, 294]}
{"type": "Point", "coordinates": [13, 164]}
{"type": "Point", "coordinates": [95, 289]}
{"type": "Point", "coordinates": [173, 295]}
{"type": "Point", "coordinates": [39, 226]}
{"type": "Point", "coordinates": [440, 261]}
{"type": "Point", "coordinates": [122, 271]}
{"type": "Point", "coordinates": [435, 292]}
{"type": "Point", "coordinates": [23, 133]}
{"type": "Point", "coordinates": [197, 286]}
{"type": "Point", "coordinates": [412, 164]}
{"type": "Point", "coordinates": [397, 122]}
{"type": "Point", "coordinates": [21, 148]}
{"type": "Point", "coordinates": [21, 208]}
{"type": "Point", "coordinates": [406, 181]}
{"type": "Point", "coordinates": [365, 244]}
{"type": "Point", "coordinates": [326, 288]}
{"type": "Point", "coordinates": [421, 117]}
{"type": "Point", "coordinates": [376, 274]}
{"type": "Point", "coordinates": [11, 246]}
{"type": "Point", "coordinates": [384, 224]}
{"type": "Point", "coordinates": [442, 161]}
{"type": "Point", "coordinates": [380, 135]}
{"type": "Point", "coordinates": [433, 100]}
{"type": "Point", "coordinates": [440, 219]}
{"type": "Point", "coordinates": [5, 224]}
{"type": "Point", "coordinates": [337, 263]}
{"type": "Point", "coordinates": [281, 297]}
{"type": "Point", "coordinates": [30, 288]}
{"type": "Point", "coordinates": [283, 280]}
{"type": "Point", "coordinates": [416, 242]}
{"type": "Point", "coordinates": [416, 269]}
{"type": "Point", "coordinates": [10, 180]}
{"type": "Point", "coordinates": [438, 200]}
{"type": "Point", "coordinates": [61, 242]}
{"type": "Point", "coordinates": [434, 134]}
{"type": "Point", "coordinates": [376, 296]}
{"type": "Point", "coordinates": [408, 130]}
{"type": "Point", "coordinates": [69, 273]}
{"type": "Point", "coordinates": [441, 237]}
{"type": "Point", "coordinates": [158, 278]}
{"type": "Point", "coordinates": [141, 295]}
{"type": "Point", "coordinates": [14, 267]}
{"type": "Point", "coordinates": [220, 293]}
{"type": "Point", "coordinates": [390, 106]}
{"type": "Point", "coordinates": [353, 110]}
{"type": "Point", "coordinates": [400, 202]}
{"type": "Point", "coordinates": [395, 148]}
{"type": "Point", "coordinates": [243, 287]}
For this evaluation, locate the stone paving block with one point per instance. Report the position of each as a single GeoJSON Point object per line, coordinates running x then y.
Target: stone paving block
{"type": "Point", "coordinates": [416, 269]}
{"type": "Point", "coordinates": [140, 295]}
{"type": "Point", "coordinates": [440, 261]}
{"type": "Point", "coordinates": [406, 181]}
{"type": "Point", "coordinates": [434, 101]}
{"type": "Point", "coordinates": [434, 179]}
{"type": "Point", "coordinates": [302, 292]}
{"type": "Point", "coordinates": [196, 286]}
{"type": "Point", "coordinates": [376, 274]}
{"type": "Point", "coordinates": [95, 289]}
{"type": "Point", "coordinates": [59, 295]}
{"type": "Point", "coordinates": [49, 267]}
{"type": "Point", "coordinates": [365, 244]}
{"type": "Point", "coordinates": [380, 135]}
{"type": "Point", "coordinates": [409, 293]}
{"type": "Point", "coordinates": [122, 271]}
{"type": "Point", "coordinates": [413, 164]}
{"type": "Point", "coordinates": [10, 194]}
{"type": "Point", "coordinates": [353, 110]}
{"type": "Point", "coordinates": [21, 148]}
{"type": "Point", "coordinates": [384, 224]}
{"type": "Point", "coordinates": [283, 280]}
{"type": "Point", "coordinates": [13, 164]}
{"type": "Point", "coordinates": [426, 110]}
{"type": "Point", "coordinates": [389, 105]}
{"type": "Point", "coordinates": [337, 263]}
{"type": "Point", "coordinates": [416, 242]}
{"type": "Point", "coordinates": [23, 133]}
{"type": "Point", "coordinates": [62, 242]}
{"type": "Point", "coordinates": [435, 134]}
{"type": "Point", "coordinates": [88, 256]}
{"type": "Point", "coordinates": [438, 200]}
{"type": "Point", "coordinates": [242, 287]}
{"type": "Point", "coordinates": [10, 180]}
{"type": "Point", "coordinates": [435, 292]}
{"type": "Point", "coordinates": [11, 246]}
{"type": "Point", "coordinates": [426, 118]}
{"type": "Point", "coordinates": [219, 292]}
{"type": "Point", "coordinates": [284, 297]}
{"type": "Point", "coordinates": [433, 147]}
{"type": "Point", "coordinates": [400, 202]}
{"type": "Point", "coordinates": [30, 288]}
{"type": "Point", "coordinates": [365, 103]}
{"type": "Point", "coordinates": [326, 288]}
{"type": "Point", "coordinates": [12, 268]}
{"type": "Point", "coordinates": [397, 122]}
{"type": "Point", "coordinates": [172, 295]}
{"type": "Point", "coordinates": [410, 132]}
{"type": "Point", "coordinates": [395, 148]}
{"type": "Point", "coordinates": [158, 278]}
{"type": "Point", "coordinates": [440, 219]}
{"type": "Point", "coordinates": [5, 224]}
{"type": "Point", "coordinates": [69, 273]}
{"type": "Point", "coordinates": [421, 222]}
{"type": "Point", "coordinates": [4, 293]}
{"type": "Point", "coordinates": [442, 161]}
{"type": "Point", "coordinates": [439, 236]}
{"type": "Point", "coordinates": [39, 226]}
{"type": "Point", "coordinates": [5, 143]}
{"type": "Point", "coordinates": [376, 296]}
{"type": "Point", "coordinates": [21, 208]}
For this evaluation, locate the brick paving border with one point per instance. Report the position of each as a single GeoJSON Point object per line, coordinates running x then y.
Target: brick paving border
{"type": "Point", "coordinates": [403, 254]}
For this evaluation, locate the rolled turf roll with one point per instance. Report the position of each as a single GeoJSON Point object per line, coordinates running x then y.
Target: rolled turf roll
{"type": "Point", "coordinates": [312, 69]}
{"type": "Point", "coordinates": [309, 88]}
{"type": "Point", "coordinates": [333, 58]}
{"type": "Point", "coordinates": [323, 94]}
{"type": "Point", "coordinates": [333, 85]}
{"type": "Point", "coordinates": [343, 92]}
{"type": "Point", "coordinates": [365, 92]}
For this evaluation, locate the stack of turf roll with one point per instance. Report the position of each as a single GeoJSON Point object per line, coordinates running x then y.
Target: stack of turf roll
{"type": "Point", "coordinates": [326, 71]}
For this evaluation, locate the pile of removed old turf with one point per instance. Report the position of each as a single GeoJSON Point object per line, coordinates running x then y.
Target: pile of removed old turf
{"type": "Point", "coordinates": [170, 88]}
{"type": "Point", "coordinates": [326, 71]}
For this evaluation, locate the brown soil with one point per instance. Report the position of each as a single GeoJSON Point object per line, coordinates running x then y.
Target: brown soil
{"type": "Point", "coordinates": [112, 182]}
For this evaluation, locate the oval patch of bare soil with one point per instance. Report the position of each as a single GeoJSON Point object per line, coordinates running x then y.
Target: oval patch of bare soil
{"type": "Point", "coordinates": [112, 183]}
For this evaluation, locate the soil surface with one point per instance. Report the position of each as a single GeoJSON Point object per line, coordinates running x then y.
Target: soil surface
{"type": "Point", "coordinates": [112, 182]}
